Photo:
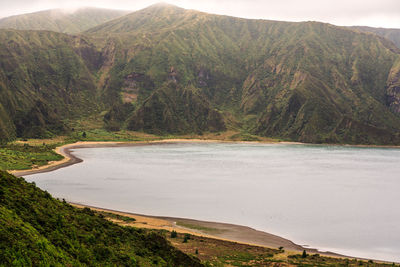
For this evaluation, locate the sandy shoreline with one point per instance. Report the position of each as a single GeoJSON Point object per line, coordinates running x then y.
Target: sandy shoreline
{"type": "Point", "coordinates": [216, 230]}
{"type": "Point", "coordinates": [70, 159]}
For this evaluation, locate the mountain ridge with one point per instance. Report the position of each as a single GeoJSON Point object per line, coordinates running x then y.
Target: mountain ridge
{"type": "Point", "coordinates": [309, 81]}
{"type": "Point", "coordinates": [229, 43]}
{"type": "Point", "coordinates": [61, 20]}
{"type": "Point", "coordinates": [391, 34]}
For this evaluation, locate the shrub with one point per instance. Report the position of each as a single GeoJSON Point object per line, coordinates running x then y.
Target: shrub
{"type": "Point", "coordinates": [174, 234]}
{"type": "Point", "coordinates": [186, 238]}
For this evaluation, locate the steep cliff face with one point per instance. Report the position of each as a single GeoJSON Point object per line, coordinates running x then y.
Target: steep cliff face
{"type": "Point", "coordinates": [44, 77]}
{"type": "Point", "coordinates": [7, 127]}
{"type": "Point", "coordinates": [299, 81]}
{"type": "Point", "coordinates": [390, 34]}
{"type": "Point", "coordinates": [174, 109]}
{"type": "Point", "coordinates": [393, 88]}
{"type": "Point", "coordinates": [169, 70]}
{"type": "Point", "coordinates": [322, 83]}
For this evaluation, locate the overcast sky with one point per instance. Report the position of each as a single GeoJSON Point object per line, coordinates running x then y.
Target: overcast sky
{"type": "Point", "coordinates": [376, 13]}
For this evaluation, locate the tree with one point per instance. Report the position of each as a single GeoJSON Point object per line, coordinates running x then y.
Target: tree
{"type": "Point", "coordinates": [186, 238]}
{"type": "Point", "coordinates": [174, 234]}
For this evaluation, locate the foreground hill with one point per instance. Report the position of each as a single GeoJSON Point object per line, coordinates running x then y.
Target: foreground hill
{"type": "Point", "coordinates": [310, 82]}
{"type": "Point", "coordinates": [167, 70]}
{"type": "Point", "coordinates": [59, 20]}
{"type": "Point", "coordinates": [38, 230]}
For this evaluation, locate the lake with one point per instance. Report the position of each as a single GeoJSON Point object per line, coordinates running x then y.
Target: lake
{"type": "Point", "coordinates": [336, 198]}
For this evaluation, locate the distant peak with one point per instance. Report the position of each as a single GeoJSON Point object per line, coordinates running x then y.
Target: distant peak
{"type": "Point", "coordinates": [163, 5]}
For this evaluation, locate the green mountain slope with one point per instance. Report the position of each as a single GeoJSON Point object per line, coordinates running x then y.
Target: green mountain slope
{"type": "Point", "coordinates": [58, 20]}
{"type": "Point", "coordinates": [310, 82]}
{"type": "Point", "coordinates": [38, 230]}
{"type": "Point", "coordinates": [167, 70]}
{"type": "Point", "coordinates": [44, 78]}
{"type": "Point", "coordinates": [390, 34]}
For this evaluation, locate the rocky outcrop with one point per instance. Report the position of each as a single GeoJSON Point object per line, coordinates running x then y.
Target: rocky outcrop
{"type": "Point", "coordinates": [393, 98]}
{"type": "Point", "coordinates": [203, 78]}
{"type": "Point", "coordinates": [393, 89]}
{"type": "Point", "coordinates": [173, 75]}
{"type": "Point", "coordinates": [130, 89]}
{"type": "Point", "coordinates": [174, 109]}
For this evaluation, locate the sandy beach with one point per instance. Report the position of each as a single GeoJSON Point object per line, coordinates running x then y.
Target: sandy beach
{"type": "Point", "coordinates": [70, 159]}
{"type": "Point", "coordinates": [215, 230]}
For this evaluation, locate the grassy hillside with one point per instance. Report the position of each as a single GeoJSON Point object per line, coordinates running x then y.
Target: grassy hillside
{"type": "Point", "coordinates": [38, 230]}
{"type": "Point", "coordinates": [167, 70]}
{"type": "Point", "coordinates": [310, 82]}
{"type": "Point", "coordinates": [390, 34]}
{"type": "Point", "coordinates": [44, 78]}
{"type": "Point", "coordinates": [58, 20]}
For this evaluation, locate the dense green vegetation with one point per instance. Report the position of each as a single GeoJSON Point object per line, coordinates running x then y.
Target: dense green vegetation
{"type": "Point", "coordinates": [173, 109]}
{"type": "Point", "coordinates": [44, 77]}
{"type": "Point", "coordinates": [166, 70]}
{"type": "Point", "coordinates": [220, 253]}
{"type": "Point", "coordinates": [390, 34]}
{"type": "Point", "coordinates": [21, 157]}
{"type": "Point", "coordinates": [310, 82]}
{"type": "Point", "coordinates": [169, 71]}
{"type": "Point", "coordinates": [38, 230]}
{"type": "Point", "coordinates": [58, 20]}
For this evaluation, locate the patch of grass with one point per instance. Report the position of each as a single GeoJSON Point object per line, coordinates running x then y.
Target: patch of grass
{"type": "Point", "coordinates": [204, 229]}
{"type": "Point", "coordinates": [117, 216]}
{"type": "Point", "coordinates": [97, 135]}
{"type": "Point", "coordinates": [214, 252]}
{"type": "Point", "coordinates": [244, 137]}
{"type": "Point", "coordinates": [318, 260]}
{"type": "Point", "coordinates": [39, 142]}
{"type": "Point", "coordinates": [25, 156]}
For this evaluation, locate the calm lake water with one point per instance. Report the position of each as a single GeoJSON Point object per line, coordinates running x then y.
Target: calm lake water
{"type": "Point", "coordinates": [341, 199]}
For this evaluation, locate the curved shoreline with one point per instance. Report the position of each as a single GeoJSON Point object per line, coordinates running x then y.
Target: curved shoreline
{"type": "Point", "coordinates": [223, 231]}
{"type": "Point", "coordinates": [229, 232]}
{"type": "Point", "coordinates": [70, 159]}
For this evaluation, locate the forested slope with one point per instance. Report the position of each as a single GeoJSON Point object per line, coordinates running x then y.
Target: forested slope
{"type": "Point", "coordinates": [38, 230]}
